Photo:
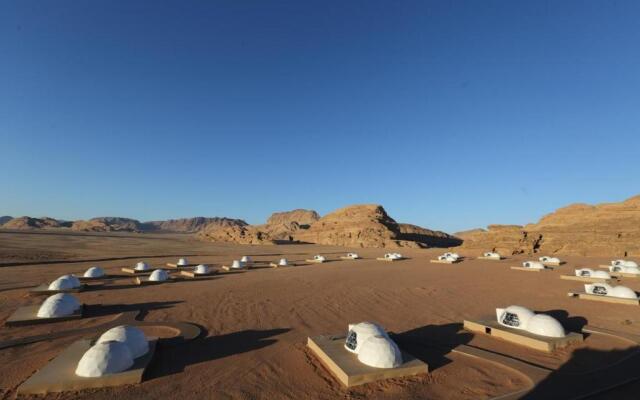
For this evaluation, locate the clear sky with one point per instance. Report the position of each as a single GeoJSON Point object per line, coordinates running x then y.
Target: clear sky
{"type": "Point", "coordinates": [451, 114]}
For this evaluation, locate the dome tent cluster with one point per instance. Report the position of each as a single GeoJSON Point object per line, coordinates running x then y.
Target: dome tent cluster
{"type": "Point", "coordinates": [115, 351]}
{"type": "Point", "coordinates": [373, 345]}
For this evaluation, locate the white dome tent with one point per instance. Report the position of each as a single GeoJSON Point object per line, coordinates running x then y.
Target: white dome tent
{"type": "Point", "coordinates": [533, 265]}
{"type": "Point", "coordinates": [353, 256]}
{"type": "Point", "coordinates": [319, 258]}
{"type": "Point", "coordinates": [623, 269]}
{"type": "Point", "coordinates": [202, 269]}
{"type": "Point", "coordinates": [393, 256]}
{"type": "Point", "coordinates": [58, 305]}
{"type": "Point", "coordinates": [236, 264]}
{"type": "Point", "coordinates": [373, 346]}
{"type": "Point", "coordinates": [447, 258]}
{"type": "Point", "coordinates": [547, 259]}
{"type": "Point", "coordinates": [283, 262]}
{"type": "Point", "coordinates": [131, 336]}
{"type": "Point", "coordinates": [104, 359]}
{"type": "Point", "coordinates": [65, 282]}
{"type": "Point", "coordinates": [518, 317]}
{"type": "Point", "coordinates": [142, 266]}
{"type": "Point", "coordinates": [452, 255]}
{"type": "Point", "coordinates": [624, 263]}
{"type": "Point", "coordinates": [492, 255]}
{"type": "Point", "coordinates": [590, 273]}
{"type": "Point", "coordinates": [246, 259]}
{"type": "Point", "coordinates": [603, 289]}
{"type": "Point", "coordinates": [94, 272]}
{"type": "Point", "coordinates": [158, 275]}
{"type": "Point", "coordinates": [182, 262]}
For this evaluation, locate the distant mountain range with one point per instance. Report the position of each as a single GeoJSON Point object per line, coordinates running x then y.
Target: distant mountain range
{"type": "Point", "coordinates": [118, 224]}
{"type": "Point", "coordinates": [357, 226]}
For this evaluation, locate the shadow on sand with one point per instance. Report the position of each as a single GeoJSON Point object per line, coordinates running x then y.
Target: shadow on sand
{"type": "Point", "coordinates": [101, 310]}
{"type": "Point", "coordinates": [173, 360]}
{"type": "Point", "coordinates": [432, 343]}
{"type": "Point", "coordinates": [616, 377]}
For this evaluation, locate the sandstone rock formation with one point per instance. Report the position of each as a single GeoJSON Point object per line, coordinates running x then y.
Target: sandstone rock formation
{"type": "Point", "coordinates": [238, 233]}
{"type": "Point", "coordinates": [190, 225]}
{"type": "Point", "coordinates": [610, 229]}
{"type": "Point", "coordinates": [108, 224]}
{"type": "Point", "coordinates": [300, 216]}
{"type": "Point", "coordinates": [35, 223]}
{"type": "Point", "coordinates": [464, 234]}
{"type": "Point", "coordinates": [284, 225]}
{"type": "Point", "coordinates": [363, 226]}
{"type": "Point", "coordinates": [429, 237]}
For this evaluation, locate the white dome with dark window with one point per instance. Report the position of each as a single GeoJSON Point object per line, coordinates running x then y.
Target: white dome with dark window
{"type": "Point", "coordinates": [319, 258]}
{"type": "Point", "coordinates": [518, 317]}
{"type": "Point", "coordinates": [283, 262]}
{"type": "Point", "coordinates": [183, 262]}
{"type": "Point", "coordinates": [58, 305]}
{"type": "Point", "coordinates": [603, 289]}
{"type": "Point", "coordinates": [372, 345]}
{"type": "Point", "coordinates": [236, 264]}
{"type": "Point", "coordinates": [94, 272]}
{"type": "Point", "coordinates": [549, 259]}
{"type": "Point", "coordinates": [159, 275]}
{"type": "Point", "coordinates": [447, 258]}
{"type": "Point", "coordinates": [105, 359]}
{"type": "Point", "coordinates": [359, 332]}
{"type": "Point", "coordinates": [492, 254]}
{"type": "Point", "coordinates": [393, 256]}
{"type": "Point", "coordinates": [533, 265]}
{"type": "Point", "coordinates": [452, 255]}
{"type": "Point", "coordinates": [590, 273]}
{"type": "Point", "coordinates": [132, 336]}
{"type": "Point", "coordinates": [624, 263]}
{"type": "Point", "coordinates": [246, 259]}
{"type": "Point", "coordinates": [624, 269]}
{"type": "Point", "coordinates": [353, 256]}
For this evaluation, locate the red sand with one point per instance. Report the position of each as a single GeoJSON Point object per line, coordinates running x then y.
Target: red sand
{"type": "Point", "coordinates": [257, 322]}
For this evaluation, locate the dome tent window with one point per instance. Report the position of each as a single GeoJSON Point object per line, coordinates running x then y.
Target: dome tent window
{"type": "Point", "coordinates": [519, 317]}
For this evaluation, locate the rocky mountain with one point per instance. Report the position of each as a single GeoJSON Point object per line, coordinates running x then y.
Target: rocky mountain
{"type": "Point", "coordinates": [429, 237]}
{"type": "Point", "coordinates": [35, 223]}
{"type": "Point", "coordinates": [4, 219]}
{"type": "Point", "coordinates": [301, 216]}
{"type": "Point", "coordinates": [368, 225]}
{"type": "Point", "coordinates": [284, 225]}
{"type": "Point", "coordinates": [609, 229]}
{"type": "Point", "coordinates": [108, 224]}
{"type": "Point", "coordinates": [190, 225]}
{"type": "Point", "coordinates": [238, 233]}
{"type": "Point", "coordinates": [464, 234]}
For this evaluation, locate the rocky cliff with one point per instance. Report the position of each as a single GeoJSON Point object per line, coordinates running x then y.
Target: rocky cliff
{"type": "Point", "coordinates": [190, 225]}
{"type": "Point", "coordinates": [366, 225]}
{"type": "Point", "coordinates": [609, 229]}
{"type": "Point", "coordinates": [108, 224]}
{"type": "Point", "coordinates": [35, 223]}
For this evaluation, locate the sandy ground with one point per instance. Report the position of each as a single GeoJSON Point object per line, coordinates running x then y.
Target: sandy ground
{"type": "Point", "coordinates": [257, 321]}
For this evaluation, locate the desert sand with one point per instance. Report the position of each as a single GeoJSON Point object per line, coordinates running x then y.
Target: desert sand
{"type": "Point", "coordinates": [256, 322]}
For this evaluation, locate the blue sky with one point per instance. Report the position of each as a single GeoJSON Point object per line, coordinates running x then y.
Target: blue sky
{"type": "Point", "coordinates": [453, 115]}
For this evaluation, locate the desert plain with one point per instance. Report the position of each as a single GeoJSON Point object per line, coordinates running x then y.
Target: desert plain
{"type": "Point", "coordinates": [256, 322]}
